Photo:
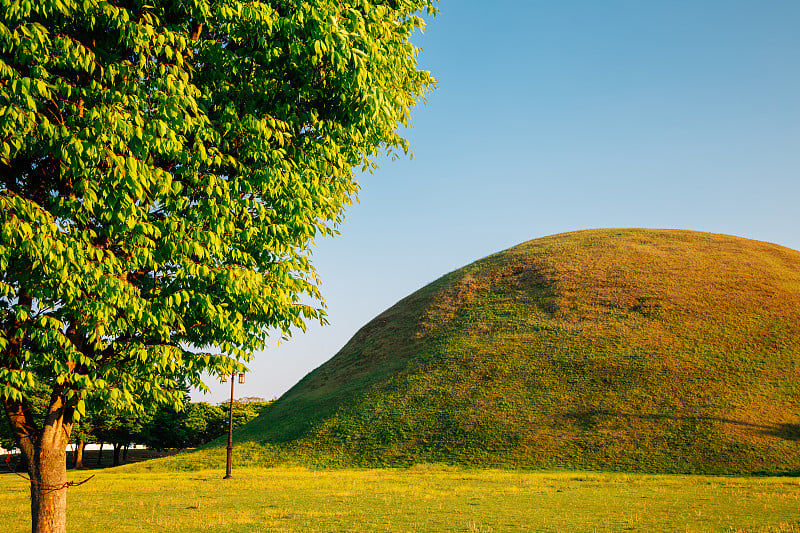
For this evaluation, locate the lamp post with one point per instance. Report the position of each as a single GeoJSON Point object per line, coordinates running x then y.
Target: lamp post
{"type": "Point", "coordinates": [230, 425]}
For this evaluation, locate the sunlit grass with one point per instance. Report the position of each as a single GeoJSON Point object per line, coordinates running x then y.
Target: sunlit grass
{"type": "Point", "coordinates": [422, 498]}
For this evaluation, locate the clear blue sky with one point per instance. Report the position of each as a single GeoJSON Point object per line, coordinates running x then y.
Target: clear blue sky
{"type": "Point", "coordinates": [561, 115]}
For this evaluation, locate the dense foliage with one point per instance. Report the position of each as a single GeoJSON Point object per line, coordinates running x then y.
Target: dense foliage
{"type": "Point", "coordinates": [197, 424]}
{"type": "Point", "coordinates": [165, 167]}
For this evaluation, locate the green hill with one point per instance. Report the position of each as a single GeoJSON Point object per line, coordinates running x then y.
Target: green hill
{"type": "Point", "coordinates": [640, 350]}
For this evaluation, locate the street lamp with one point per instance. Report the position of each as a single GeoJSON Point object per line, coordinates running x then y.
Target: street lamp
{"type": "Point", "coordinates": [230, 424]}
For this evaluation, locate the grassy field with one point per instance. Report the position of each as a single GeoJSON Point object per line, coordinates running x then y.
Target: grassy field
{"type": "Point", "coordinates": [419, 499]}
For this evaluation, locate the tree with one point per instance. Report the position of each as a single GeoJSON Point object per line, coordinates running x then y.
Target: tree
{"type": "Point", "coordinates": [197, 424]}
{"type": "Point", "coordinates": [167, 429]}
{"type": "Point", "coordinates": [81, 434]}
{"type": "Point", "coordinates": [120, 430]}
{"type": "Point", "coordinates": [202, 423]}
{"type": "Point", "coordinates": [101, 424]}
{"type": "Point", "coordinates": [166, 166]}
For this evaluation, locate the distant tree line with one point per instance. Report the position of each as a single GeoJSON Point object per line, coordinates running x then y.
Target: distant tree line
{"type": "Point", "coordinates": [161, 429]}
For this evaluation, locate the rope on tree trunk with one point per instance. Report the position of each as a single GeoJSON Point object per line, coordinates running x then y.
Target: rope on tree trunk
{"type": "Point", "coordinates": [45, 486]}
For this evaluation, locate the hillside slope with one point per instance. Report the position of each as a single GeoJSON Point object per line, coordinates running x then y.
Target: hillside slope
{"type": "Point", "coordinates": [641, 350]}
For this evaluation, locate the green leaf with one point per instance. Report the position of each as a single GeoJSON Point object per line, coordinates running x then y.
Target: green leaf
{"type": "Point", "coordinates": [184, 179]}
{"type": "Point", "coordinates": [80, 407]}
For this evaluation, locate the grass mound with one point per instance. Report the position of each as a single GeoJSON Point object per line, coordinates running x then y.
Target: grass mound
{"type": "Point", "coordinates": [636, 350]}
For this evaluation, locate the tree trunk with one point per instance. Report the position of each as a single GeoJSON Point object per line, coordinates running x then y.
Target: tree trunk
{"type": "Point", "coordinates": [78, 463]}
{"type": "Point", "coordinates": [100, 455]}
{"type": "Point", "coordinates": [48, 473]}
{"type": "Point", "coordinates": [117, 448]}
{"type": "Point", "coordinates": [45, 452]}
{"type": "Point", "coordinates": [125, 454]}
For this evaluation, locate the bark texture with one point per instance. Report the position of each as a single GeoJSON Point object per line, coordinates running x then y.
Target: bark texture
{"type": "Point", "coordinates": [48, 473]}
{"type": "Point", "coordinates": [44, 447]}
{"type": "Point", "coordinates": [77, 462]}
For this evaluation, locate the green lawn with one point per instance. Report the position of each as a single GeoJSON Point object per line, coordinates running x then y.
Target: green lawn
{"type": "Point", "coordinates": [423, 498]}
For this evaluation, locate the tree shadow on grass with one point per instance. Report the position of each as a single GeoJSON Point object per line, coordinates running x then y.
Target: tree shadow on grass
{"type": "Point", "coordinates": [786, 431]}
{"type": "Point", "coordinates": [589, 418]}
